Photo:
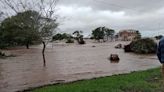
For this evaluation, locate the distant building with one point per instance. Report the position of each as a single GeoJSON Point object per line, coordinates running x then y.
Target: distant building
{"type": "Point", "coordinates": [127, 35]}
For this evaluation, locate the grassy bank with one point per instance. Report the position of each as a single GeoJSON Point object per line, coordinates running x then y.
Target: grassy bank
{"type": "Point", "coordinates": [143, 81]}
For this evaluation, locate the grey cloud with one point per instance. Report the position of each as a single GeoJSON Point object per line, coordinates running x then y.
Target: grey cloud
{"type": "Point", "coordinates": [119, 5]}
{"type": "Point", "coordinates": [87, 18]}
{"type": "Point", "coordinates": [86, 15]}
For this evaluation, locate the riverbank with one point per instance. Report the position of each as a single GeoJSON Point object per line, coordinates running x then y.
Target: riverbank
{"type": "Point", "coordinates": [142, 81]}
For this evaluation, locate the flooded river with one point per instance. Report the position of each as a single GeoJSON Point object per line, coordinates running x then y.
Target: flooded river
{"type": "Point", "coordinates": [67, 63]}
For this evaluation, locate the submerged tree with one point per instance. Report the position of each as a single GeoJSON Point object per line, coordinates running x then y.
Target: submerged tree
{"type": "Point", "coordinates": [109, 33]}
{"type": "Point", "coordinates": [142, 46]}
{"type": "Point", "coordinates": [60, 36]}
{"type": "Point", "coordinates": [46, 30]}
{"type": "Point", "coordinates": [98, 33]}
{"type": "Point", "coordinates": [138, 35]}
{"type": "Point", "coordinates": [102, 33]}
{"type": "Point", "coordinates": [79, 37]}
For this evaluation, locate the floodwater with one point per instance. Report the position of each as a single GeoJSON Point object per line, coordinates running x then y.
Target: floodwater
{"type": "Point", "coordinates": [66, 63]}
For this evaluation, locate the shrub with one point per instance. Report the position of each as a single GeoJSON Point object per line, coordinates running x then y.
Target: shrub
{"type": "Point", "coordinates": [81, 42]}
{"type": "Point", "coordinates": [2, 54]}
{"type": "Point", "coordinates": [70, 41]}
{"type": "Point", "coordinates": [127, 48]}
{"type": "Point", "coordinates": [144, 46]}
{"type": "Point", "coordinates": [3, 46]}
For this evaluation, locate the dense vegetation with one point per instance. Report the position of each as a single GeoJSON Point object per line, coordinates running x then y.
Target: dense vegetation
{"type": "Point", "coordinates": [144, 81]}
{"type": "Point", "coordinates": [102, 33]}
{"type": "Point", "coordinates": [138, 35]}
{"type": "Point", "coordinates": [64, 36]}
{"type": "Point", "coordinates": [2, 54]}
{"type": "Point", "coordinates": [19, 30]}
{"type": "Point", "coordinates": [79, 37]}
{"type": "Point", "coordinates": [60, 36]}
{"type": "Point", "coordinates": [142, 46]}
{"type": "Point", "coordinates": [26, 28]}
{"type": "Point", "coordinates": [69, 40]}
{"type": "Point", "coordinates": [27, 22]}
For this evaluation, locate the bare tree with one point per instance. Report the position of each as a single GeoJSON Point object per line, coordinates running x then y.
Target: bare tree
{"type": "Point", "coordinates": [46, 19]}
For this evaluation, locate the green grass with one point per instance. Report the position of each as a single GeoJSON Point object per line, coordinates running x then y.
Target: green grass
{"type": "Point", "coordinates": [143, 81]}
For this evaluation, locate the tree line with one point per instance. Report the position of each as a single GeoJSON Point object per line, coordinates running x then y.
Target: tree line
{"type": "Point", "coordinates": [100, 33]}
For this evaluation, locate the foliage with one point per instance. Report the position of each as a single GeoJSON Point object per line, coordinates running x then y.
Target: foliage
{"type": "Point", "coordinates": [46, 28]}
{"type": "Point", "coordinates": [138, 35]}
{"type": "Point", "coordinates": [60, 36]}
{"type": "Point", "coordinates": [142, 81]}
{"type": "Point", "coordinates": [20, 29]}
{"type": "Point", "coordinates": [69, 40]}
{"type": "Point", "coordinates": [2, 54]}
{"type": "Point", "coordinates": [127, 48]}
{"type": "Point", "coordinates": [79, 37]}
{"type": "Point", "coordinates": [142, 46]}
{"type": "Point", "coordinates": [109, 33]}
{"type": "Point", "coordinates": [98, 33]}
{"type": "Point", "coordinates": [101, 32]}
{"type": "Point", "coordinates": [2, 43]}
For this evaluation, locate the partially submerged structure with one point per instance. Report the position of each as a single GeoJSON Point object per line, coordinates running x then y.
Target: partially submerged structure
{"type": "Point", "coordinates": [127, 35]}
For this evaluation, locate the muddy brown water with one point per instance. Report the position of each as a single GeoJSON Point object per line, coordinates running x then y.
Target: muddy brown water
{"type": "Point", "coordinates": [67, 63]}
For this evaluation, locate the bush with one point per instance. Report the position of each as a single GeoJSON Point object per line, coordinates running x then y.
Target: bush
{"type": "Point", "coordinates": [70, 41]}
{"type": "Point", "coordinates": [81, 42]}
{"type": "Point", "coordinates": [127, 48]}
{"type": "Point", "coordinates": [2, 54]}
{"type": "Point", "coordinates": [61, 36]}
{"type": "Point", "coordinates": [3, 46]}
{"type": "Point", "coordinates": [142, 46]}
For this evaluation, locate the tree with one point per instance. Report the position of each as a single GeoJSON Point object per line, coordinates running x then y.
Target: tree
{"type": "Point", "coordinates": [60, 36]}
{"type": "Point", "coordinates": [142, 46]}
{"type": "Point", "coordinates": [79, 37]}
{"type": "Point", "coordinates": [20, 29]}
{"type": "Point", "coordinates": [109, 33]}
{"type": "Point", "coordinates": [138, 35]}
{"type": "Point", "coordinates": [102, 32]}
{"type": "Point", "coordinates": [46, 19]}
{"type": "Point", "coordinates": [98, 33]}
{"type": "Point", "coordinates": [1, 54]}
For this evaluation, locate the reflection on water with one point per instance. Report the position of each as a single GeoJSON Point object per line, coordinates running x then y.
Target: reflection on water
{"type": "Point", "coordinates": [66, 63]}
{"type": "Point", "coordinates": [115, 62]}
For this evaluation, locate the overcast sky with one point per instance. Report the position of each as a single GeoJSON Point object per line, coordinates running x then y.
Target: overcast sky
{"type": "Point", "coordinates": [147, 16]}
